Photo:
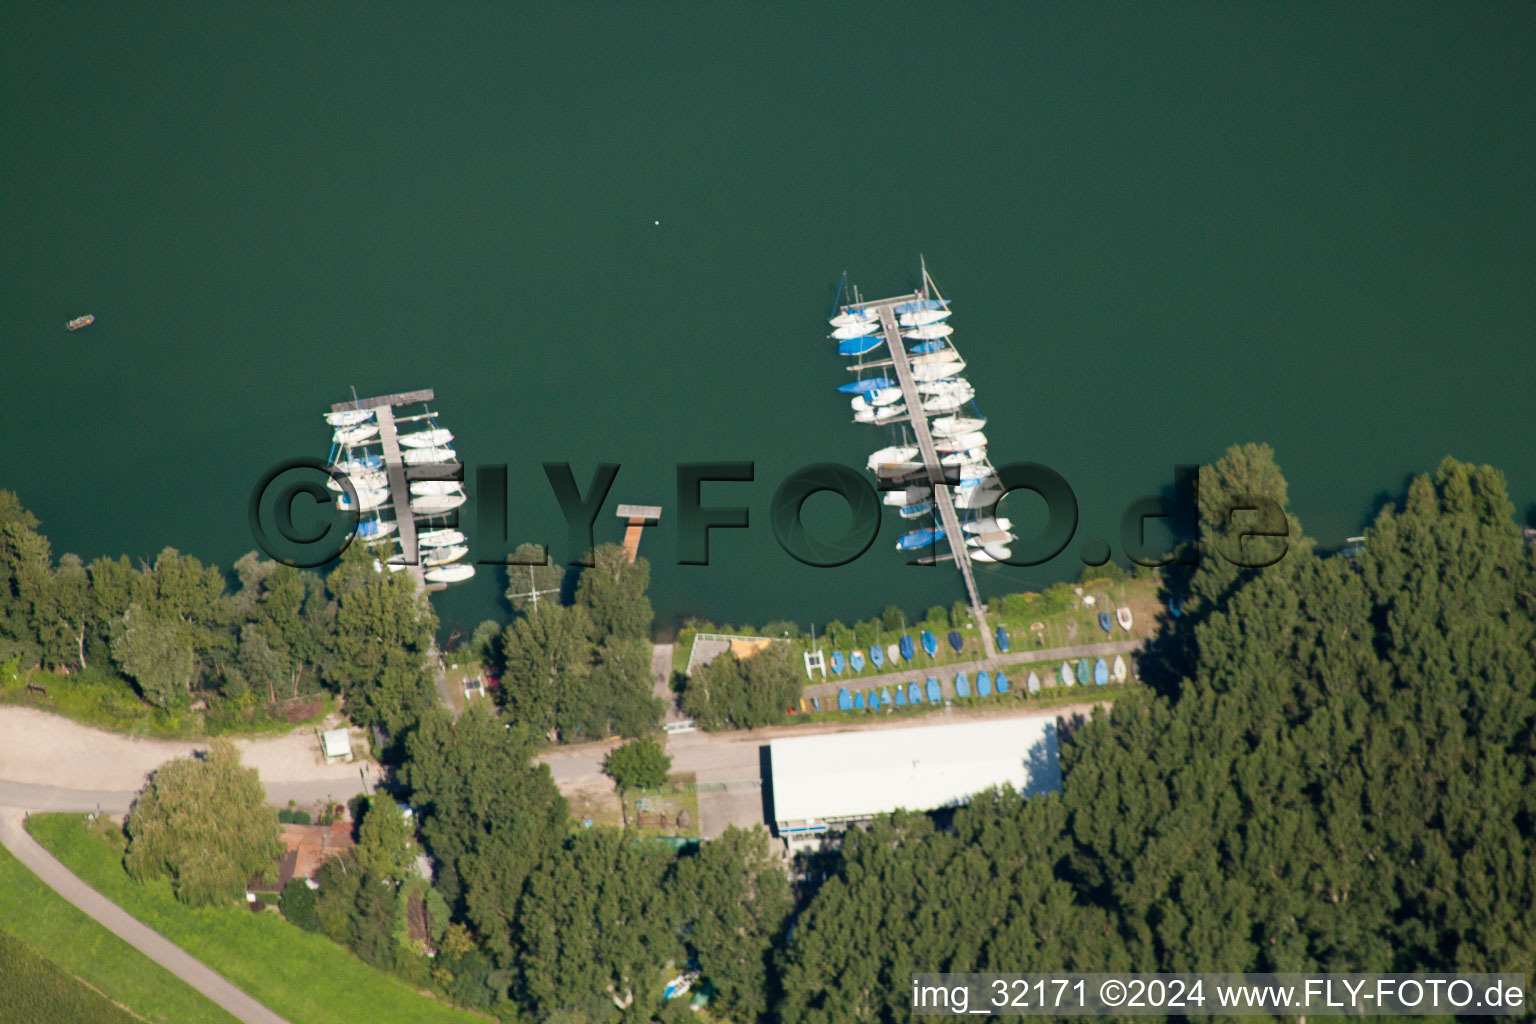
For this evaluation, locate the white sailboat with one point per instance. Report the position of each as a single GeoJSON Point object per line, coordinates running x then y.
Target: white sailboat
{"type": "Point", "coordinates": [954, 426]}
{"type": "Point", "coordinates": [944, 386]}
{"type": "Point", "coordinates": [976, 497]}
{"type": "Point", "coordinates": [895, 453]}
{"type": "Point", "coordinates": [992, 553]}
{"type": "Point", "coordinates": [991, 524]}
{"type": "Point", "coordinates": [371, 530]}
{"type": "Point", "coordinates": [897, 470]}
{"type": "Point", "coordinates": [355, 434]}
{"type": "Point", "coordinates": [989, 539]}
{"type": "Point", "coordinates": [875, 399]}
{"type": "Point", "coordinates": [969, 457]}
{"type": "Point", "coordinates": [367, 480]}
{"type": "Point", "coordinates": [348, 417]}
{"type": "Point", "coordinates": [450, 573]}
{"type": "Point", "coordinates": [354, 464]}
{"type": "Point", "coordinates": [425, 488]}
{"type": "Point", "coordinates": [857, 330]}
{"type": "Point", "coordinates": [910, 496]}
{"type": "Point", "coordinates": [921, 317]}
{"type": "Point", "coordinates": [947, 402]}
{"type": "Point", "coordinates": [937, 371]}
{"type": "Point", "coordinates": [367, 498]}
{"type": "Point", "coordinates": [929, 332]}
{"type": "Point", "coordinates": [854, 317]}
{"type": "Point", "coordinates": [880, 415]}
{"type": "Point", "coordinates": [440, 538]}
{"type": "Point", "coordinates": [437, 504]}
{"type": "Point", "coordinates": [429, 456]}
{"type": "Point", "coordinates": [434, 438]}
{"type": "Point", "coordinates": [960, 442]}
{"type": "Point", "coordinates": [942, 355]}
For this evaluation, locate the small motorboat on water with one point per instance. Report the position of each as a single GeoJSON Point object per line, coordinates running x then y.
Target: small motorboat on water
{"type": "Point", "coordinates": [930, 644]}
{"type": "Point", "coordinates": [906, 648]}
{"type": "Point", "coordinates": [434, 438]}
{"type": "Point", "coordinates": [858, 330]}
{"type": "Point", "coordinates": [859, 346]}
{"type": "Point", "coordinates": [921, 317]}
{"type": "Point", "coordinates": [356, 434]}
{"type": "Point", "coordinates": [440, 538]}
{"type": "Point", "coordinates": [348, 417]}
{"type": "Point", "coordinates": [443, 455]}
{"type": "Point", "coordinates": [956, 426]}
{"type": "Point", "coordinates": [929, 332]}
{"type": "Point", "coordinates": [1123, 616]}
{"type": "Point", "coordinates": [450, 573]}
{"type": "Point", "coordinates": [80, 321]}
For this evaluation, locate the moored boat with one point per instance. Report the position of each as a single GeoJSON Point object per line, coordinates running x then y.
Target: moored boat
{"type": "Point", "coordinates": [367, 498]}
{"type": "Point", "coordinates": [960, 442]}
{"type": "Point", "coordinates": [893, 453]}
{"type": "Point", "coordinates": [450, 573]}
{"type": "Point", "coordinates": [437, 504]}
{"type": "Point", "coordinates": [992, 553]}
{"type": "Point", "coordinates": [920, 317]}
{"type": "Point", "coordinates": [371, 530]}
{"type": "Point", "coordinates": [928, 332]}
{"type": "Point", "coordinates": [920, 538]}
{"type": "Point", "coordinates": [910, 496]}
{"type": "Point", "coordinates": [856, 330]}
{"type": "Point", "coordinates": [916, 511]}
{"type": "Point", "coordinates": [440, 538]}
{"type": "Point", "coordinates": [954, 426]}
{"type": "Point", "coordinates": [859, 346]}
{"type": "Point", "coordinates": [861, 387]}
{"type": "Point", "coordinates": [80, 321]}
{"type": "Point", "coordinates": [355, 434]}
{"type": "Point", "coordinates": [934, 371]}
{"type": "Point", "coordinates": [442, 455]}
{"type": "Point", "coordinates": [425, 488]}
{"type": "Point", "coordinates": [851, 317]}
{"type": "Point", "coordinates": [348, 417]}
{"type": "Point", "coordinates": [433, 438]}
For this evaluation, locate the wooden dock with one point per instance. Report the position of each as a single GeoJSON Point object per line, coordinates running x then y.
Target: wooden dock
{"type": "Point", "coordinates": [399, 486]}
{"type": "Point", "coordinates": [942, 499]}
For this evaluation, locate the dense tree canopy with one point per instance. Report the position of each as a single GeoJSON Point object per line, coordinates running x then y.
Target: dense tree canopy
{"type": "Point", "coordinates": [641, 763]}
{"type": "Point", "coordinates": [204, 823]}
{"type": "Point", "coordinates": [745, 693]}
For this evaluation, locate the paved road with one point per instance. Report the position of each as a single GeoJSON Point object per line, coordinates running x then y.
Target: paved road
{"type": "Point", "coordinates": [661, 680]}
{"type": "Point", "coordinates": [116, 920]}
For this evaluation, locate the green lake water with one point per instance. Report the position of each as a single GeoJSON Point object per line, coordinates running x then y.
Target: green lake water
{"type": "Point", "coordinates": [1166, 228]}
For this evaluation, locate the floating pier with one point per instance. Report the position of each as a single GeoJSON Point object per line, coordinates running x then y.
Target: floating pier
{"type": "Point", "coordinates": [942, 499]}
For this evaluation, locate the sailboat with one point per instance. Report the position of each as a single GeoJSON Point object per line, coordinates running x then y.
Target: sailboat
{"type": "Point", "coordinates": [1123, 616]}
{"type": "Point", "coordinates": [856, 330]}
{"type": "Point", "coordinates": [359, 464]}
{"type": "Point", "coordinates": [437, 504]}
{"type": "Point", "coordinates": [920, 304]}
{"type": "Point", "coordinates": [861, 387]}
{"type": "Point", "coordinates": [917, 511]}
{"type": "Point", "coordinates": [348, 417]}
{"type": "Point", "coordinates": [930, 332]}
{"type": "Point", "coordinates": [948, 402]}
{"type": "Point", "coordinates": [859, 346]}
{"type": "Point", "coordinates": [920, 538]}
{"type": "Point", "coordinates": [930, 644]}
{"type": "Point", "coordinates": [894, 453]}
{"type": "Point", "coordinates": [969, 457]}
{"type": "Point", "coordinates": [450, 573]}
{"type": "Point", "coordinates": [433, 438]}
{"type": "Point", "coordinates": [1117, 673]}
{"type": "Point", "coordinates": [875, 399]}
{"type": "Point", "coordinates": [933, 371]}
{"type": "Point", "coordinates": [907, 497]}
{"type": "Point", "coordinates": [367, 498]}
{"type": "Point", "coordinates": [944, 386]}
{"type": "Point", "coordinates": [986, 540]}
{"type": "Point", "coordinates": [426, 488]}
{"type": "Point", "coordinates": [355, 434]}
{"type": "Point", "coordinates": [924, 347]}
{"type": "Point", "coordinates": [942, 354]}
{"type": "Point", "coordinates": [366, 480]}
{"type": "Point", "coordinates": [370, 530]}
{"type": "Point", "coordinates": [955, 426]}
{"type": "Point", "coordinates": [922, 317]}
{"type": "Point", "coordinates": [960, 442]}
{"type": "Point", "coordinates": [992, 553]}
{"type": "Point", "coordinates": [440, 538]}
{"type": "Point", "coordinates": [991, 524]}
{"type": "Point", "coordinates": [854, 317]}
{"type": "Point", "coordinates": [882, 414]}
{"type": "Point", "coordinates": [439, 456]}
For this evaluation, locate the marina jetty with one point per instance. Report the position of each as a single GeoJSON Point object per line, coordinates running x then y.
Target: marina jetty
{"type": "Point", "coordinates": [404, 479]}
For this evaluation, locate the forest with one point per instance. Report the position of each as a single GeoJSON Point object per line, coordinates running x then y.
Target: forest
{"type": "Point", "coordinates": [1332, 767]}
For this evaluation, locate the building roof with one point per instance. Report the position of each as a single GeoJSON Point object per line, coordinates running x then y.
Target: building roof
{"type": "Point", "coordinates": [840, 776]}
{"type": "Point", "coordinates": [336, 743]}
{"type": "Point", "coordinates": [306, 847]}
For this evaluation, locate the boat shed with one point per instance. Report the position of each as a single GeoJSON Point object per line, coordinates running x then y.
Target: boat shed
{"type": "Point", "coordinates": [831, 780]}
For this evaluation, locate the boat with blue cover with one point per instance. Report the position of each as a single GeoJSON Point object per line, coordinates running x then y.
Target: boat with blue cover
{"type": "Point", "coordinates": [922, 348]}
{"type": "Point", "coordinates": [925, 537]}
{"type": "Point", "coordinates": [858, 700]}
{"type": "Point", "coordinates": [1084, 671]}
{"type": "Point", "coordinates": [983, 683]}
{"type": "Point", "coordinates": [914, 693]}
{"type": "Point", "coordinates": [918, 305]}
{"type": "Point", "coordinates": [885, 696]}
{"type": "Point", "coordinates": [962, 685]}
{"type": "Point", "coordinates": [955, 640]}
{"type": "Point", "coordinates": [816, 703]}
{"type": "Point", "coordinates": [844, 700]}
{"type": "Point", "coordinates": [1001, 682]}
{"type": "Point", "coordinates": [1002, 639]}
{"type": "Point", "coordinates": [1033, 683]}
{"type": "Point", "coordinates": [876, 656]}
{"type": "Point", "coordinates": [1105, 622]}
{"type": "Point", "coordinates": [917, 511]}
{"type": "Point", "coordinates": [930, 644]}
{"type": "Point", "coordinates": [837, 663]}
{"type": "Point", "coordinates": [860, 387]}
{"type": "Point", "coordinates": [1100, 673]}
{"type": "Point", "coordinates": [856, 662]}
{"type": "Point", "coordinates": [906, 648]}
{"type": "Point", "coordinates": [935, 693]}
{"type": "Point", "coordinates": [901, 697]}
{"type": "Point", "coordinates": [1175, 607]}
{"type": "Point", "coordinates": [859, 346]}
{"type": "Point", "coordinates": [874, 699]}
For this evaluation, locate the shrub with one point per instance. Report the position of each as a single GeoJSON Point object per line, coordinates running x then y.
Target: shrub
{"type": "Point", "coordinates": [300, 905]}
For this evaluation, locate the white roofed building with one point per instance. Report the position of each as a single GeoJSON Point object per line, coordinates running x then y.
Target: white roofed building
{"type": "Point", "coordinates": [834, 779]}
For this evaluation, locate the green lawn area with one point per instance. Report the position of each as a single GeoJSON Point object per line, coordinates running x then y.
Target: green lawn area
{"type": "Point", "coordinates": [37, 992]}
{"type": "Point", "coordinates": [298, 975]}
{"type": "Point", "coordinates": [77, 945]}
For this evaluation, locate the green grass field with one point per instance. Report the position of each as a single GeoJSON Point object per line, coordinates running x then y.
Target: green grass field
{"type": "Point", "coordinates": [37, 992]}
{"type": "Point", "coordinates": [77, 945]}
{"type": "Point", "coordinates": [299, 975]}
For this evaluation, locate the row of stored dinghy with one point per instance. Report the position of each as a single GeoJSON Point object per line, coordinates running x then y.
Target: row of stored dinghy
{"type": "Point", "coordinates": [1099, 673]}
